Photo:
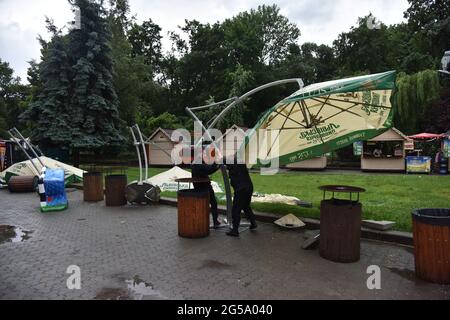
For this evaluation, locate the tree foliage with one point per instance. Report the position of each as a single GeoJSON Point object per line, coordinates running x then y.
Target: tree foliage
{"type": "Point", "coordinates": [165, 121]}
{"type": "Point", "coordinates": [77, 106]}
{"type": "Point", "coordinates": [12, 97]}
{"type": "Point", "coordinates": [114, 70]}
{"type": "Point", "coordinates": [437, 115]}
{"type": "Point", "coordinates": [145, 40]}
{"type": "Point", "coordinates": [415, 93]}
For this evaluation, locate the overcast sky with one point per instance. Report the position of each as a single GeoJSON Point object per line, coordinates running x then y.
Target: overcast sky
{"type": "Point", "coordinates": [319, 21]}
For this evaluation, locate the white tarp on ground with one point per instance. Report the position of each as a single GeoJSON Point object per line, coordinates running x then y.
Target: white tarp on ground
{"type": "Point", "coordinates": [166, 180]}
{"type": "Point", "coordinates": [276, 198]}
{"type": "Point", "coordinates": [25, 168]}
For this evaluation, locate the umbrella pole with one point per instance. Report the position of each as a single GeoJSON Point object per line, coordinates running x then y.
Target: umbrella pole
{"type": "Point", "coordinates": [142, 142]}
{"type": "Point", "coordinates": [17, 141]}
{"type": "Point", "coordinates": [223, 169]}
{"type": "Point", "coordinates": [136, 144]}
{"type": "Point", "coordinates": [29, 146]}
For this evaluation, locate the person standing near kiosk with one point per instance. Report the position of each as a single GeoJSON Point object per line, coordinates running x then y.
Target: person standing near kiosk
{"type": "Point", "coordinates": [243, 191]}
{"type": "Point", "coordinates": [203, 170]}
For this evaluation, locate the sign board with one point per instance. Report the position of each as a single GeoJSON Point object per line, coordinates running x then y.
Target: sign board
{"type": "Point", "coordinates": [358, 148]}
{"type": "Point", "coordinates": [409, 145]}
{"type": "Point", "coordinates": [2, 155]}
{"type": "Point", "coordinates": [418, 164]}
{"type": "Point", "coordinates": [447, 148]}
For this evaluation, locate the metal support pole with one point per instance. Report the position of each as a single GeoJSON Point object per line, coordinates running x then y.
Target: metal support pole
{"type": "Point", "coordinates": [136, 144]}
{"type": "Point", "coordinates": [248, 94]}
{"type": "Point", "coordinates": [142, 142]}
{"type": "Point", "coordinates": [29, 146]}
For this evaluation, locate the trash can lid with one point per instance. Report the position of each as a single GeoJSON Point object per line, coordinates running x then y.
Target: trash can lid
{"type": "Point", "coordinates": [339, 188]}
{"type": "Point", "coordinates": [436, 216]}
{"type": "Point", "coordinates": [193, 180]}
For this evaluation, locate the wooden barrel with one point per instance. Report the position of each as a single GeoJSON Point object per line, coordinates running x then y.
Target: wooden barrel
{"type": "Point", "coordinates": [193, 214]}
{"type": "Point", "coordinates": [18, 184]}
{"type": "Point", "coordinates": [93, 186]}
{"type": "Point", "coordinates": [431, 233]}
{"type": "Point", "coordinates": [340, 230]}
{"type": "Point", "coordinates": [115, 190]}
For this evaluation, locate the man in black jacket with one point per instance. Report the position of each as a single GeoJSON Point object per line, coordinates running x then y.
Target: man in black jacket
{"type": "Point", "coordinates": [243, 191]}
{"type": "Point", "coordinates": [204, 171]}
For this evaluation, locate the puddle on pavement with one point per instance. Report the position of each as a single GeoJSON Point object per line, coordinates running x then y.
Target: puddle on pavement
{"type": "Point", "coordinates": [13, 234]}
{"type": "Point", "coordinates": [214, 264]}
{"type": "Point", "coordinates": [137, 289]}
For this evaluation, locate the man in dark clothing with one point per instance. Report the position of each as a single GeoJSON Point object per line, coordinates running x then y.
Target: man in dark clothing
{"type": "Point", "coordinates": [204, 171]}
{"type": "Point", "coordinates": [243, 191]}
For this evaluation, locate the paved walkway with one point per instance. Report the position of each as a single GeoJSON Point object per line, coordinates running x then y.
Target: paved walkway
{"type": "Point", "coordinates": [135, 252]}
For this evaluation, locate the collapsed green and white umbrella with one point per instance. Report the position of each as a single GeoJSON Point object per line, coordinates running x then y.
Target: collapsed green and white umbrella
{"type": "Point", "coordinates": [324, 117]}
{"type": "Point", "coordinates": [25, 168]}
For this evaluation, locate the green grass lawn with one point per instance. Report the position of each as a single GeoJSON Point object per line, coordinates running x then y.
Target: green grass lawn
{"type": "Point", "coordinates": [388, 196]}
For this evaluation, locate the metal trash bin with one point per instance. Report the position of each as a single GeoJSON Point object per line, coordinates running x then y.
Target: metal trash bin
{"type": "Point", "coordinates": [431, 234]}
{"type": "Point", "coordinates": [340, 226]}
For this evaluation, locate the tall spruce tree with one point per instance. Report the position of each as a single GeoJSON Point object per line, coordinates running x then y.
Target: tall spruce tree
{"type": "Point", "coordinates": [77, 106]}
{"type": "Point", "coordinates": [50, 115]}
{"type": "Point", "coordinates": [95, 118]}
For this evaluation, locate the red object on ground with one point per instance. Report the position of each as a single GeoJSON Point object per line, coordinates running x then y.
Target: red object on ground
{"type": "Point", "coordinates": [427, 136]}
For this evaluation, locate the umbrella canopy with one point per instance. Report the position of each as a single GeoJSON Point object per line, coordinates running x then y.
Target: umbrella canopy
{"type": "Point", "coordinates": [25, 168]}
{"type": "Point", "coordinates": [324, 117]}
{"type": "Point", "coordinates": [427, 136]}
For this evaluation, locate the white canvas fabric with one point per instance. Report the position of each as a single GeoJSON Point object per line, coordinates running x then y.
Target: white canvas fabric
{"type": "Point", "coordinates": [275, 198]}
{"type": "Point", "coordinates": [166, 180]}
{"type": "Point", "coordinates": [290, 221]}
{"type": "Point", "coordinates": [25, 168]}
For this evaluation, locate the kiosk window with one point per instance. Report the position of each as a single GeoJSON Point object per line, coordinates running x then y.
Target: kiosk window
{"type": "Point", "coordinates": [383, 149]}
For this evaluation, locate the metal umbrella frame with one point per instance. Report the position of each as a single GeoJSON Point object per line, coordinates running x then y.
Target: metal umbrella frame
{"type": "Point", "coordinates": [140, 141]}
{"type": "Point", "coordinates": [230, 104]}
{"type": "Point", "coordinates": [18, 138]}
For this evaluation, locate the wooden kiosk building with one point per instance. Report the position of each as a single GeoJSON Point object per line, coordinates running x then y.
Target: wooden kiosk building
{"type": "Point", "coordinates": [387, 152]}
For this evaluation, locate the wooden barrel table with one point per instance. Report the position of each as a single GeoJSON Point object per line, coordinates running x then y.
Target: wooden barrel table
{"type": "Point", "coordinates": [115, 190]}
{"type": "Point", "coordinates": [193, 211]}
{"type": "Point", "coordinates": [18, 184]}
{"type": "Point", "coordinates": [93, 186]}
{"type": "Point", "coordinates": [431, 234]}
{"type": "Point", "coordinates": [340, 226]}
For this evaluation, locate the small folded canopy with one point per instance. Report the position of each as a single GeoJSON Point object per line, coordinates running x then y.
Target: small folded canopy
{"type": "Point", "coordinates": [290, 221]}
{"type": "Point", "coordinates": [25, 168]}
